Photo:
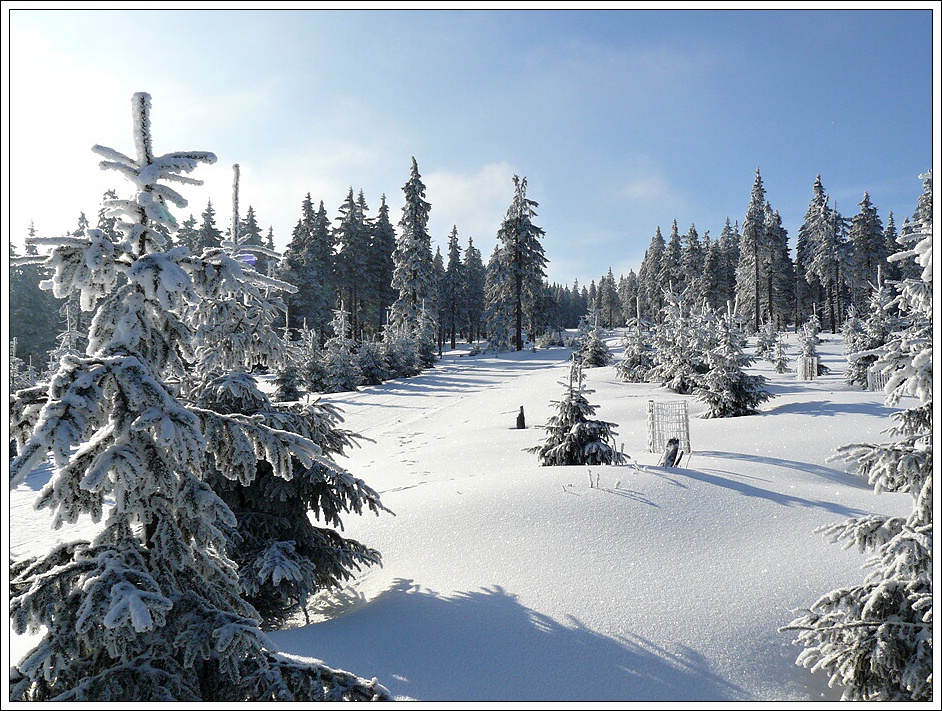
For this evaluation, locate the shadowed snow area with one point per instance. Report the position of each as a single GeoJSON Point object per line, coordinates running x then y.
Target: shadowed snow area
{"type": "Point", "coordinates": [505, 580]}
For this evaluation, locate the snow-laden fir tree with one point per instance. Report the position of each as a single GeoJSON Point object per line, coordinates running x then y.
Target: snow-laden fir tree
{"type": "Point", "coordinates": [288, 383]}
{"type": "Point", "coordinates": [499, 313]}
{"type": "Point", "coordinates": [726, 388]}
{"type": "Point", "coordinates": [522, 259]}
{"type": "Point", "coordinates": [591, 350]}
{"type": "Point", "coordinates": [572, 436]}
{"type": "Point", "coordinates": [341, 372]}
{"type": "Point", "coordinates": [874, 639]}
{"type": "Point", "coordinates": [400, 352]}
{"type": "Point", "coordinates": [863, 336]}
{"type": "Point", "coordinates": [765, 339]}
{"type": "Point", "coordinates": [371, 362]}
{"type": "Point", "coordinates": [412, 258]}
{"type": "Point", "coordinates": [151, 608]}
{"type": "Point", "coordinates": [474, 275]}
{"type": "Point", "coordinates": [636, 362]}
{"type": "Point", "coordinates": [681, 342]}
{"type": "Point", "coordinates": [780, 353]}
{"type": "Point", "coordinates": [282, 557]}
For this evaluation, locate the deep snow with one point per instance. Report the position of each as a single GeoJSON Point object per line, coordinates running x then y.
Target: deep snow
{"type": "Point", "coordinates": [505, 580]}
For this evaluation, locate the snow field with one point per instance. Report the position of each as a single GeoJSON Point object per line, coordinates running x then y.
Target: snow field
{"type": "Point", "coordinates": [505, 580]}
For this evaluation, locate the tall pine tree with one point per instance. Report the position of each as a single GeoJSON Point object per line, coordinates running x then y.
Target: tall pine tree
{"type": "Point", "coordinates": [522, 257]}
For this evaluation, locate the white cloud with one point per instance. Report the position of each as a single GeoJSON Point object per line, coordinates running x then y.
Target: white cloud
{"type": "Point", "coordinates": [474, 202]}
{"type": "Point", "coordinates": [649, 190]}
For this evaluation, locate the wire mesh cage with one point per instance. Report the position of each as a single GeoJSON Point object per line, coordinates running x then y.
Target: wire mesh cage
{"type": "Point", "coordinates": [666, 420]}
{"type": "Point", "coordinates": [876, 379]}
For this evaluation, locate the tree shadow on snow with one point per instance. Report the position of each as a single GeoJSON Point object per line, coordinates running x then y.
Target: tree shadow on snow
{"type": "Point", "coordinates": [485, 645]}
{"type": "Point", "coordinates": [835, 475]}
{"type": "Point", "coordinates": [818, 408]}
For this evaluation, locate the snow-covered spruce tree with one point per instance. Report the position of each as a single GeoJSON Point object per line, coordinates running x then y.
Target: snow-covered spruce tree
{"type": "Point", "coordinates": [726, 388]}
{"type": "Point", "coordinates": [572, 437]}
{"type": "Point", "coordinates": [400, 352]}
{"type": "Point", "coordinates": [523, 258]}
{"type": "Point", "coordinates": [498, 313]}
{"type": "Point", "coordinates": [150, 609]}
{"type": "Point", "coordinates": [863, 336]}
{"type": "Point", "coordinates": [591, 350]}
{"type": "Point", "coordinates": [412, 258]}
{"type": "Point", "coordinates": [341, 373]}
{"type": "Point", "coordinates": [372, 363]}
{"type": "Point", "coordinates": [636, 359]}
{"type": "Point", "coordinates": [288, 383]}
{"type": "Point", "coordinates": [681, 342]}
{"type": "Point", "coordinates": [780, 354]}
{"type": "Point", "coordinates": [874, 639]}
{"type": "Point", "coordinates": [281, 556]}
{"type": "Point", "coordinates": [765, 339]}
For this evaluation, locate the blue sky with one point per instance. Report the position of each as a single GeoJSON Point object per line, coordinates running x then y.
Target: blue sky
{"type": "Point", "coordinates": [621, 120]}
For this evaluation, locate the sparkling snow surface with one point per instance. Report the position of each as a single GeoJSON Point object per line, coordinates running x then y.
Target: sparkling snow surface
{"type": "Point", "coordinates": [505, 580]}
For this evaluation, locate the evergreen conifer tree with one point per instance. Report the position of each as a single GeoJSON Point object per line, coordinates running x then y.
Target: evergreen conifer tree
{"type": "Point", "coordinates": [636, 360]}
{"type": "Point", "coordinates": [867, 250]}
{"type": "Point", "coordinates": [453, 293]}
{"type": "Point", "coordinates": [34, 311]}
{"type": "Point", "coordinates": [780, 354]}
{"type": "Point", "coordinates": [591, 350]}
{"type": "Point", "coordinates": [572, 436]}
{"type": "Point", "coordinates": [752, 247]}
{"type": "Point", "coordinates": [874, 639]}
{"type": "Point", "coordinates": [725, 387]}
{"type": "Point", "coordinates": [474, 275]}
{"type": "Point", "coordinates": [498, 315]}
{"type": "Point", "coordinates": [382, 246]}
{"type": "Point", "coordinates": [208, 235]}
{"type": "Point", "coordinates": [671, 275]}
{"type": "Point", "coordinates": [808, 290]}
{"type": "Point", "coordinates": [150, 609]}
{"type": "Point", "coordinates": [522, 257]}
{"type": "Point", "coordinates": [341, 372]}
{"type": "Point", "coordinates": [413, 271]}
{"type": "Point", "coordinates": [681, 345]}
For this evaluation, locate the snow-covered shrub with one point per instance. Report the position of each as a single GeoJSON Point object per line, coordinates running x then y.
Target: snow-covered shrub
{"type": "Point", "coordinates": [726, 388]}
{"type": "Point", "coordinates": [400, 352]}
{"type": "Point", "coordinates": [591, 351]}
{"type": "Point", "coordinates": [780, 354]}
{"type": "Point", "coordinates": [636, 361]}
{"type": "Point", "coordinates": [338, 362]}
{"type": "Point", "coordinates": [765, 340]}
{"type": "Point", "coordinates": [681, 342]}
{"type": "Point", "coordinates": [372, 363]}
{"type": "Point", "coordinates": [553, 338]}
{"type": "Point", "coordinates": [572, 437]}
{"type": "Point", "coordinates": [875, 638]}
{"type": "Point", "coordinates": [151, 608]}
